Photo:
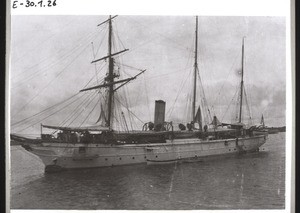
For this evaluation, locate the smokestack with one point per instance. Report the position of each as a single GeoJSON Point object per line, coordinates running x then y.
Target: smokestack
{"type": "Point", "coordinates": [159, 114]}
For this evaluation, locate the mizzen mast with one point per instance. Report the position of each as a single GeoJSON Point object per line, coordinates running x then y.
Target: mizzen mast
{"type": "Point", "coordinates": [195, 70]}
{"type": "Point", "coordinates": [242, 83]}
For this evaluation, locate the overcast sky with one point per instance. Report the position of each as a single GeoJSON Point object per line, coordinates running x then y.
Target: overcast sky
{"type": "Point", "coordinates": [51, 58]}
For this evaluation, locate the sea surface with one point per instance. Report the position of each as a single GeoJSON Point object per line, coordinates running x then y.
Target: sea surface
{"type": "Point", "coordinates": [248, 181]}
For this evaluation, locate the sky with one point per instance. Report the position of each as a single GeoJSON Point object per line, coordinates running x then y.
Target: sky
{"type": "Point", "coordinates": [51, 60]}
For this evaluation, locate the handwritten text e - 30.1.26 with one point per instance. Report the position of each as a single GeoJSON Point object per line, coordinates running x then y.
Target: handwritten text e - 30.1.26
{"type": "Point", "coordinates": [28, 3]}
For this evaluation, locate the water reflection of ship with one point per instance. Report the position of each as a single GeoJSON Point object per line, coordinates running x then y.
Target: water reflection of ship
{"type": "Point", "coordinates": [157, 142]}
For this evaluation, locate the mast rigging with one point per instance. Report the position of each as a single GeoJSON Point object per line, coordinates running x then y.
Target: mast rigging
{"type": "Point", "coordinates": [109, 55]}
{"type": "Point", "coordinates": [109, 81]}
{"type": "Point", "coordinates": [113, 83]}
{"type": "Point", "coordinates": [109, 19]}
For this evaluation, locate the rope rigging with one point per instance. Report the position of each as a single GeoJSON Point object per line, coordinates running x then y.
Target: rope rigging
{"type": "Point", "coordinates": [175, 43]}
{"type": "Point", "coordinates": [130, 111]}
{"type": "Point", "coordinates": [234, 97]}
{"type": "Point", "coordinates": [208, 117]}
{"type": "Point", "coordinates": [43, 67]}
{"type": "Point", "coordinates": [91, 98]}
{"type": "Point", "coordinates": [214, 103]}
{"type": "Point", "coordinates": [48, 116]}
{"type": "Point", "coordinates": [248, 108]}
{"type": "Point", "coordinates": [48, 84]}
{"type": "Point", "coordinates": [170, 111]}
{"type": "Point", "coordinates": [31, 120]}
{"type": "Point", "coordinates": [75, 111]}
{"type": "Point", "coordinates": [44, 39]}
{"type": "Point", "coordinates": [43, 111]}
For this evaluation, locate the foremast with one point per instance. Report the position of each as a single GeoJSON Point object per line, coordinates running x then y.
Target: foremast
{"type": "Point", "coordinates": [109, 81]}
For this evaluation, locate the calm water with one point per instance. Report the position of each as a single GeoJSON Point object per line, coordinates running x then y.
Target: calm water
{"type": "Point", "coordinates": [250, 181]}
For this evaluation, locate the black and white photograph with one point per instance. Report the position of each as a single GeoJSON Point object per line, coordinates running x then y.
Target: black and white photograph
{"type": "Point", "coordinates": [148, 112]}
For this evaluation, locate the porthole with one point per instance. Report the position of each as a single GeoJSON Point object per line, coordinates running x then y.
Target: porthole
{"type": "Point", "coordinates": [145, 157]}
{"type": "Point", "coordinates": [229, 149]}
{"type": "Point", "coordinates": [133, 158]}
{"type": "Point", "coordinates": [120, 158]}
{"type": "Point", "coordinates": [105, 158]}
{"type": "Point", "coordinates": [156, 156]}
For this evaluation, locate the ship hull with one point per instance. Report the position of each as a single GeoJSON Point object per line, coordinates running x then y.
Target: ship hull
{"type": "Point", "coordinates": [61, 156]}
{"type": "Point", "coordinates": [193, 150]}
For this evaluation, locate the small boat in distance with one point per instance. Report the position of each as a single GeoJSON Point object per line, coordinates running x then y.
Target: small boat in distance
{"type": "Point", "coordinates": [157, 142]}
{"type": "Point", "coordinates": [262, 129]}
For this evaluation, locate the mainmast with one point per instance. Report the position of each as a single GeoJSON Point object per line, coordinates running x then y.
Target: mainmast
{"type": "Point", "coordinates": [195, 70]}
{"type": "Point", "coordinates": [242, 83]}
